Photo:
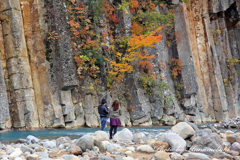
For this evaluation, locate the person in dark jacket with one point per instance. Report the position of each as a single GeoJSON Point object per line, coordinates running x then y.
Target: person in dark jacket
{"type": "Point", "coordinates": [114, 113]}
{"type": "Point", "coordinates": [103, 112]}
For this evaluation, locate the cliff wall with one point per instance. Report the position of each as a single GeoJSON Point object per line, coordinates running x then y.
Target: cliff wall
{"type": "Point", "coordinates": [40, 83]}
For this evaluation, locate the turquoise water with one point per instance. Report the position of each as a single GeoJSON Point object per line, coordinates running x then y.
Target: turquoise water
{"type": "Point", "coordinates": [13, 136]}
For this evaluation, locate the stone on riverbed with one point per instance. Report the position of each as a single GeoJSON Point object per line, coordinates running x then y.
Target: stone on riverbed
{"type": "Point", "coordinates": [69, 157]}
{"type": "Point", "coordinates": [31, 139]}
{"type": "Point", "coordinates": [100, 135]}
{"type": "Point", "coordinates": [85, 142]}
{"type": "Point", "coordinates": [16, 153]}
{"type": "Point", "coordinates": [177, 143]}
{"type": "Point", "coordinates": [62, 140]}
{"type": "Point", "coordinates": [183, 129]}
{"type": "Point", "coordinates": [123, 135]}
{"type": "Point", "coordinates": [235, 147]}
{"type": "Point", "coordinates": [74, 149]}
{"type": "Point", "coordinates": [160, 155]}
{"type": "Point", "coordinates": [26, 149]}
{"type": "Point", "coordinates": [145, 148]}
{"type": "Point", "coordinates": [33, 157]}
{"type": "Point", "coordinates": [199, 156]}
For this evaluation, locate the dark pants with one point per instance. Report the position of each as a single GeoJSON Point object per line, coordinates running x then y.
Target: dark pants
{"type": "Point", "coordinates": [111, 129]}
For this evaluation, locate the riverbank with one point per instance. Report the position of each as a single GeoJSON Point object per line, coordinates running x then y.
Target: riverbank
{"type": "Point", "coordinates": [182, 141]}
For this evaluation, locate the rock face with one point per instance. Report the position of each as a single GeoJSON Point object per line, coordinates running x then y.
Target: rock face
{"type": "Point", "coordinates": [39, 86]}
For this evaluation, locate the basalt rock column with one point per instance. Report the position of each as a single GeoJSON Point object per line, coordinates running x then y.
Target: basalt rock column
{"type": "Point", "coordinates": [23, 107]}
{"type": "Point", "coordinates": [35, 35]}
{"type": "Point", "coordinates": [64, 58]}
{"type": "Point", "coordinates": [4, 106]}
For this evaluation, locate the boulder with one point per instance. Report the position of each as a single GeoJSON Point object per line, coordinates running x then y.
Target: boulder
{"type": "Point", "coordinates": [183, 129]}
{"type": "Point", "coordinates": [161, 155]}
{"type": "Point", "coordinates": [33, 157]}
{"type": "Point", "coordinates": [49, 144]}
{"type": "Point", "coordinates": [177, 143]}
{"type": "Point", "coordinates": [85, 142]}
{"type": "Point", "coordinates": [62, 140]}
{"type": "Point", "coordinates": [145, 148]}
{"type": "Point", "coordinates": [103, 145]}
{"type": "Point", "coordinates": [160, 137]}
{"type": "Point", "coordinates": [100, 135]}
{"type": "Point", "coordinates": [193, 125]}
{"type": "Point", "coordinates": [32, 139]}
{"type": "Point", "coordinates": [235, 147]}
{"type": "Point", "coordinates": [26, 149]}
{"type": "Point", "coordinates": [76, 150]}
{"type": "Point", "coordinates": [212, 141]}
{"type": "Point", "coordinates": [233, 138]}
{"type": "Point", "coordinates": [123, 135]}
{"type": "Point", "coordinates": [203, 132]}
{"type": "Point", "coordinates": [196, 156]}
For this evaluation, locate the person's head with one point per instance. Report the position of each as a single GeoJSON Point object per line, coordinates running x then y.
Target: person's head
{"type": "Point", "coordinates": [115, 105]}
{"type": "Point", "coordinates": [104, 102]}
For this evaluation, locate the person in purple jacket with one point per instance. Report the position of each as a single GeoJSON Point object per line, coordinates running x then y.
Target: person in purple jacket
{"type": "Point", "coordinates": [103, 112]}
{"type": "Point", "coordinates": [114, 113]}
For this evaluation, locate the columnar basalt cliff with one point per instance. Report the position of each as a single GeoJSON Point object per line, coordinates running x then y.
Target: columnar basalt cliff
{"type": "Point", "coordinates": [42, 85]}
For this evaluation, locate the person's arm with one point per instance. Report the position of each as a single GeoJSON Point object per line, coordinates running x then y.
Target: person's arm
{"type": "Point", "coordinates": [106, 110]}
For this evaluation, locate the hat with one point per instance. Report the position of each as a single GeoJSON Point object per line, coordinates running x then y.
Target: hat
{"type": "Point", "coordinates": [104, 101]}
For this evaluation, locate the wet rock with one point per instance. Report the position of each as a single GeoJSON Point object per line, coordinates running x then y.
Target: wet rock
{"type": "Point", "coordinates": [100, 135]}
{"type": "Point", "coordinates": [177, 143]}
{"type": "Point", "coordinates": [85, 142]}
{"type": "Point", "coordinates": [183, 129]}
{"type": "Point", "coordinates": [196, 156]}
{"type": "Point", "coordinates": [123, 135]}
{"type": "Point", "coordinates": [160, 155]}
{"type": "Point", "coordinates": [145, 148]}
{"type": "Point", "coordinates": [31, 139]}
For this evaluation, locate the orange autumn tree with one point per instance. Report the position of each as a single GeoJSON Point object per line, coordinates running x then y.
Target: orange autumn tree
{"type": "Point", "coordinates": [135, 52]}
